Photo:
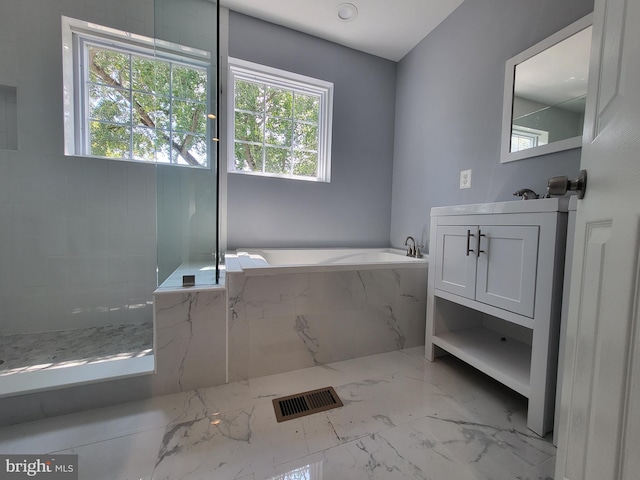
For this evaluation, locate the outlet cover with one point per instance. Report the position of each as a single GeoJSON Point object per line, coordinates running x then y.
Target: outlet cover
{"type": "Point", "coordinates": [465, 179]}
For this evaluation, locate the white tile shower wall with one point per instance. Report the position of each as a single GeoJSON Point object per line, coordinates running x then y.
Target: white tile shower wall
{"type": "Point", "coordinates": [190, 338]}
{"type": "Point", "coordinates": [285, 322]}
{"type": "Point", "coordinates": [77, 235]}
{"type": "Point", "coordinates": [78, 243]}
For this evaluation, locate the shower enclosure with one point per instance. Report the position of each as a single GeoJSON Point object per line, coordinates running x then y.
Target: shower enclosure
{"type": "Point", "coordinates": [89, 230]}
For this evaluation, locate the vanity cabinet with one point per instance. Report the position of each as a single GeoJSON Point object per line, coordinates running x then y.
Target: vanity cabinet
{"type": "Point", "coordinates": [492, 264]}
{"type": "Point", "coordinates": [495, 293]}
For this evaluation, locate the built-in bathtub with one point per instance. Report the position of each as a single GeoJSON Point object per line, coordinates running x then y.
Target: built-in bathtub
{"type": "Point", "coordinates": [296, 308]}
{"type": "Point", "coordinates": [278, 261]}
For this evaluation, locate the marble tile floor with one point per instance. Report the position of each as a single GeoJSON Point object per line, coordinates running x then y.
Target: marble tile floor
{"type": "Point", "coordinates": [28, 352]}
{"type": "Point", "coordinates": [404, 418]}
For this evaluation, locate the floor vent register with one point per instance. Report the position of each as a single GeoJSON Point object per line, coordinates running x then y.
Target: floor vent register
{"type": "Point", "coordinates": [306, 403]}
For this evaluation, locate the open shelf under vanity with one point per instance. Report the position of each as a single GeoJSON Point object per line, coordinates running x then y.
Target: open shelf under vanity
{"type": "Point", "coordinates": [500, 356]}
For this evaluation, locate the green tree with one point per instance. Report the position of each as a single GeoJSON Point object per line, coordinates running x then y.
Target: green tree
{"type": "Point", "coordinates": [276, 129]}
{"type": "Point", "coordinates": [146, 109]}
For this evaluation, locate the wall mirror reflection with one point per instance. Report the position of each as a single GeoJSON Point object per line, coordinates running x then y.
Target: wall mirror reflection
{"type": "Point", "coordinates": [545, 94]}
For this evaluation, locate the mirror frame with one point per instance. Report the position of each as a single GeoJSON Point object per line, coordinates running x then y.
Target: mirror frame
{"type": "Point", "coordinates": [506, 155]}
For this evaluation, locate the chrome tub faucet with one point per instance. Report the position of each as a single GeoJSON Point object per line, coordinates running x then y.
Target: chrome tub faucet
{"type": "Point", "coordinates": [413, 250]}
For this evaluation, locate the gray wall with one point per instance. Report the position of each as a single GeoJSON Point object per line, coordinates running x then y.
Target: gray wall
{"type": "Point", "coordinates": [449, 110]}
{"type": "Point", "coordinates": [355, 208]}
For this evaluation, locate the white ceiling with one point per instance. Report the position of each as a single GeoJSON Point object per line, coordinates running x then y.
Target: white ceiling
{"type": "Point", "coordinates": [558, 73]}
{"type": "Point", "coordinates": [388, 29]}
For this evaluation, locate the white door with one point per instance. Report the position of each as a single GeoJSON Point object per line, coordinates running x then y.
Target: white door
{"type": "Point", "coordinates": [600, 407]}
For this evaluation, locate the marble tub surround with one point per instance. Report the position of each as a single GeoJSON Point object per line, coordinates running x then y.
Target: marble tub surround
{"type": "Point", "coordinates": [285, 322]}
{"type": "Point", "coordinates": [190, 339]}
{"type": "Point", "coordinates": [404, 417]}
{"type": "Point", "coordinates": [30, 352]}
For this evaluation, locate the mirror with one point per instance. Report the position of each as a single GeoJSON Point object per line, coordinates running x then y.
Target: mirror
{"type": "Point", "coordinates": [545, 94]}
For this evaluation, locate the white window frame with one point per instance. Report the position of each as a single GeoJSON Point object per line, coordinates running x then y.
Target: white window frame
{"type": "Point", "coordinates": [538, 137]}
{"type": "Point", "coordinates": [75, 34]}
{"type": "Point", "coordinates": [254, 72]}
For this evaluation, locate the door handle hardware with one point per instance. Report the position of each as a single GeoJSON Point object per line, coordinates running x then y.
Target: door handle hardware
{"type": "Point", "coordinates": [561, 185]}
{"type": "Point", "coordinates": [480, 235]}
{"type": "Point", "coordinates": [469, 235]}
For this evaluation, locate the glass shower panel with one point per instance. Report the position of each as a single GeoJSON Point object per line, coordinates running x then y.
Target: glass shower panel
{"type": "Point", "coordinates": [187, 169]}
{"type": "Point", "coordinates": [78, 233]}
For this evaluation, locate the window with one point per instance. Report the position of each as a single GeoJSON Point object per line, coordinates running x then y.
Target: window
{"type": "Point", "coordinates": [131, 97]}
{"type": "Point", "coordinates": [281, 123]}
{"type": "Point", "coordinates": [523, 138]}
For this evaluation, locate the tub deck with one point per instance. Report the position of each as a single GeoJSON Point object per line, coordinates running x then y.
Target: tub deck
{"type": "Point", "coordinates": [275, 261]}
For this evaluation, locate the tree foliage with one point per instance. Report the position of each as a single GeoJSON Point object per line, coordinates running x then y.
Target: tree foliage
{"type": "Point", "coordinates": [146, 109]}
{"type": "Point", "coordinates": [276, 129]}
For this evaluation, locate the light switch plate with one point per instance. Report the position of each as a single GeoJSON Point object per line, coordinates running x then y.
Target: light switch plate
{"type": "Point", "coordinates": [465, 179]}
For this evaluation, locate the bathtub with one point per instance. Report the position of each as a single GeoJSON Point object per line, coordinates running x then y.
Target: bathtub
{"type": "Point", "coordinates": [276, 261]}
{"type": "Point", "coordinates": [296, 308]}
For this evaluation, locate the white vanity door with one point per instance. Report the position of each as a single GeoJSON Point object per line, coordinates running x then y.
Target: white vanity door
{"type": "Point", "coordinates": [507, 267]}
{"type": "Point", "coordinates": [456, 260]}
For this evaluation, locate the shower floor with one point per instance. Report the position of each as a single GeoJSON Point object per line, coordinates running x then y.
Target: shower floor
{"type": "Point", "coordinates": [30, 352]}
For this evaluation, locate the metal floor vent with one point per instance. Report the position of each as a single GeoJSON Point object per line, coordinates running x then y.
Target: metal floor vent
{"type": "Point", "coordinates": [306, 403]}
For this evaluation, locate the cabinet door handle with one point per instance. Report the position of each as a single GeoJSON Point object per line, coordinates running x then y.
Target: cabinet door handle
{"type": "Point", "coordinates": [480, 235]}
{"type": "Point", "coordinates": [469, 235]}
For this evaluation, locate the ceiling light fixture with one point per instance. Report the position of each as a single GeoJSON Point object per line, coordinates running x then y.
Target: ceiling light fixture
{"type": "Point", "coordinates": [347, 11]}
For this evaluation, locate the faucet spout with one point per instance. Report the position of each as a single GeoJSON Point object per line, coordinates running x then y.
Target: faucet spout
{"type": "Point", "coordinates": [411, 249]}
{"type": "Point", "coordinates": [526, 194]}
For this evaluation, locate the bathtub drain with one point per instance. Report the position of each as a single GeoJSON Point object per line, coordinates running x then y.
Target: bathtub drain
{"type": "Point", "coordinates": [306, 403]}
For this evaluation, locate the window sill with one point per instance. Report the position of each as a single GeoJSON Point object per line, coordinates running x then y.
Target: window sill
{"type": "Point", "coordinates": [284, 177]}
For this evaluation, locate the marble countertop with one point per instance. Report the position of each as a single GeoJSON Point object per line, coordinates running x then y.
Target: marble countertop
{"type": "Point", "coordinates": [558, 204]}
